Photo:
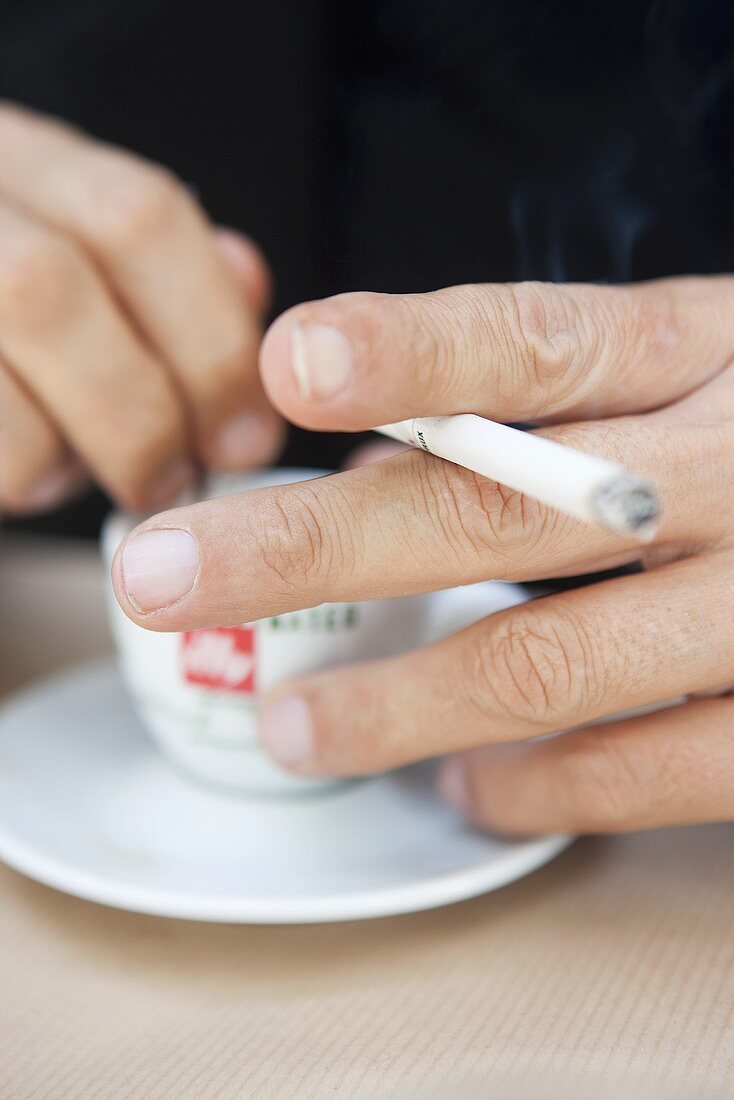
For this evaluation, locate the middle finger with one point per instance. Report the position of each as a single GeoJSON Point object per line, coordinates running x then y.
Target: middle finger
{"type": "Point", "coordinates": [409, 524]}
{"type": "Point", "coordinates": [528, 352]}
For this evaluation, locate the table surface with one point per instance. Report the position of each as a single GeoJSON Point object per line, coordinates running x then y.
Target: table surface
{"type": "Point", "coordinates": [614, 962]}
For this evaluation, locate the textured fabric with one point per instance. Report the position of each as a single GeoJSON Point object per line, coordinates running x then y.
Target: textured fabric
{"type": "Point", "coordinates": [615, 962]}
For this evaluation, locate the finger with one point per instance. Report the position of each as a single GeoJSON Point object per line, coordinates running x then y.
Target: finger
{"type": "Point", "coordinates": [259, 432]}
{"type": "Point", "coordinates": [36, 471]}
{"type": "Point", "coordinates": [527, 352]}
{"type": "Point", "coordinates": [158, 251]}
{"type": "Point", "coordinates": [66, 340]}
{"type": "Point", "coordinates": [675, 767]}
{"type": "Point", "coordinates": [412, 523]}
{"type": "Point", "coordinates": [544, 666]}
{"type": "Point", "coordinates": [247, 263]}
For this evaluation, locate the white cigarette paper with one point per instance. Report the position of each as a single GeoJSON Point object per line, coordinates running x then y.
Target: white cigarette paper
{"type": "Point", "coordinates": [582, 485]}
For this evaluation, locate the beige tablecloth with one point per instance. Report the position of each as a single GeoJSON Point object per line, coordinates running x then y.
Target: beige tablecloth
{"type": "Point", "coordinates": [615, 961]}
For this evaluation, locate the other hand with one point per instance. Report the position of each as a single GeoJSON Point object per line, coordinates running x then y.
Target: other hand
{"type": "Point", "coordinates": [129, 326]}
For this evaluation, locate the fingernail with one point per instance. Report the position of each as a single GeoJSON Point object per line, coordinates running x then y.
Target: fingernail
{"type": "Point", "coordinates": [159, 567]}
{"type": "Point", "coordinates": [322, 359]}
{"type": "Point", "coordinates": [170, 483]}
{"type": "Point", "coordinates": [453, 786]}
{"type": "Point", "coordinates": [54, 487]}
{"type": "Point", "coordinates": [232, 248]}
{"type": "Point", "coordinates": [286, 731]}
{"type": "Point", "coordinates": [244, 440]}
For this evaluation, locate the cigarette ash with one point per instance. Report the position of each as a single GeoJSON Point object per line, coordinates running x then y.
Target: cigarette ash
{"type": "Point", "coordinates": [628, 505]}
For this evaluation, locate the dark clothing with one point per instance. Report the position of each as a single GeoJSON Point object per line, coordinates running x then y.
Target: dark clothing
{"type": "Point", "coordinates": [406, 145]}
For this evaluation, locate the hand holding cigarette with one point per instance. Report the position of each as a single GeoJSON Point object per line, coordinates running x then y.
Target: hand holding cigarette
{"type": "Point", "coordinates": [638, 377]}
{"type": "Point", "coordinates": [589, 488]}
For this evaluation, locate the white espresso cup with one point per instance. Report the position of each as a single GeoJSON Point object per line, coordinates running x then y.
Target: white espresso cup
{"type": "Point", "coordinates": [197, 693]}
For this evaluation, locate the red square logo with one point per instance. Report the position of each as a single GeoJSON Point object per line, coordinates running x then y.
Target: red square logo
{"type": "Point", "coordinates": [222, 659]}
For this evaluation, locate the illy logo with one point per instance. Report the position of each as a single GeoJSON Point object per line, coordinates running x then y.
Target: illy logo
{"type": "Point", "coordinates": [221, 660]}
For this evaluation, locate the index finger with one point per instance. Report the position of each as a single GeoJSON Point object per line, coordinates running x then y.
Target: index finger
{"type": "Point", "coordinates": [530, 352]}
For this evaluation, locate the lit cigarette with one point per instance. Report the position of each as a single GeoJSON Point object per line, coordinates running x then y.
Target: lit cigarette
{"type": "Point", "coordinates": [582, 485]}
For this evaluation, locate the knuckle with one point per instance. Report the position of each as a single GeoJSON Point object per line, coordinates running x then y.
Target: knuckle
{"type": "Point", "coordinates": [453, 504]}
{"type": "Point", "coordinates": [542, 335]}
{"type": "Point", "coordinates": [40, 277]}
{"type": "Point", "coordinates": [514, 521]}
{"type": "Point", "coordinates": [597, 786]}
{"type": "Point", "coordinates": [135, 205]}
{"type": "Point", "coordinates": [543, 325]}
{"type": "Point", "coordinates": [535, 669]}
{"type": "Point", "coordinates": [562, 340]}
{"type": "Point", "coordinates": [510, 514]}
{"type": "Point", "coordinates": [302, 541]}
{"type": "Point", "coordinates": [444, 330]}
{"type": "Point", "coordinates": [142, 448]}
{"type": "Point", "coordinates": [478, 520]}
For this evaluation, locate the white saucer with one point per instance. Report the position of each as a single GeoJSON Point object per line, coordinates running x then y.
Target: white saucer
{"type": "Point", "coordinates": [87, 805]}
